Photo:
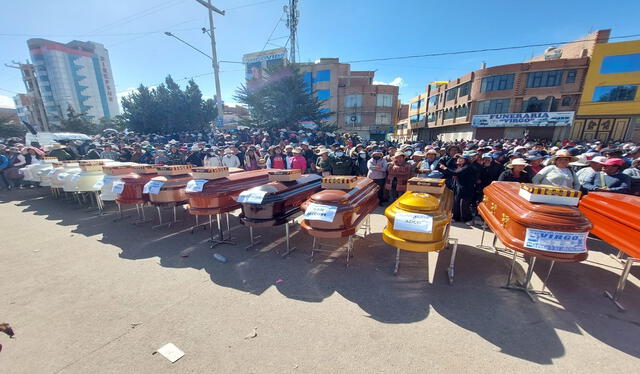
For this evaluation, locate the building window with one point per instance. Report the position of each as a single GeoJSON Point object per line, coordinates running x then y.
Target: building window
{"type": "Point", "coordinates": [615, 93]}
{"type": "Point", "coordinates": [415, 105]}
{"type": "Point", "coordinates": [463, 89]}
{"type": "Point", "coordinates": [451, 94]}
{"type": "Point", "coordinates": [566, 101]}
{"type": "Point", "coordinates": [383, 118]}
{"type": "Point", "coordinates": [433, 100]}
{"type": "Point", "coordinates": [571, 76]}
{"type": "Point", "coordinates": [620, 64]}
{"type": "Point", "coordinates": [414, 118]}
{"type": "Point", "coordinates": [497, 83]}
{"type": "Point", "coordinates": [431, 117]}
{"type": "Point", "coordinates": [449, 114]}
{"type": "Point", "coordinates": [306, 78]}
{"type": "Point", "coordinates": [353, 119]}
{"type": "Point", "coordinates": [353, 101]}
{"type": "Point", "coordinates": [462, 111]}
{"type": "Point", "coordinates": [548, 78]}
{"type": "Point", "coordinates": [385, 100]}
{"type": "Point", "coordinates": [494, 106]}
{"type": "Point", "coordinates": [323, 76]}
{"type": "Point", "coordinates": [323, 94]}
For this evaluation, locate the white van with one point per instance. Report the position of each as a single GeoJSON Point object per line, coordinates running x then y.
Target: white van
{"type": "Point", "coordinates": [48, 138]}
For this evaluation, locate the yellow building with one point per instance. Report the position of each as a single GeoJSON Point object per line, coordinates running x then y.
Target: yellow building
{"type": "Point", "coordinates": [610, 101]}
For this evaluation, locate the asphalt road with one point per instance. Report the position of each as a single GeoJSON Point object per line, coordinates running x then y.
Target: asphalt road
{"type": "Point", "coordinates": [88, 295]}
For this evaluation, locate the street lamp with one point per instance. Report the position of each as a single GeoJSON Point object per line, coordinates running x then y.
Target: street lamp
{"type": "Point", "coordinates": [167, 33]}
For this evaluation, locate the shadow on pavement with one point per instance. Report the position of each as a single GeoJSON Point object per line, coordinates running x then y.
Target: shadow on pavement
{"type": "Point", "coordinates": [477, 303]}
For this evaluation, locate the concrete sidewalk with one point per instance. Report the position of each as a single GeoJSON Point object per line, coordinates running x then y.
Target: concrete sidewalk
{"type": "Point", "coordinates": [85, 294]}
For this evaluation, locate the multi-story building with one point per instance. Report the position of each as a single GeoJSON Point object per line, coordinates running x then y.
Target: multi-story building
{"type": "Point", "coordinates": [537, 98]}
{"type": "Point", "coordinates": [355, 103]}
{"type": "Point", "coordinates": [610, 101]}
{"type": "Point", "coordinates": [24, 108]}
{"type": "Point", "coordinates": [76, 74]}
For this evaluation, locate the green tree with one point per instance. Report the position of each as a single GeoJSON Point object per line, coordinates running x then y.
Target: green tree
{"type": "Point", "coordinates": [77, 122]}
{"type": "Point", "coordinates": [282, 100]}
{"type": "Point", "coordinates": [167, 108]}
{"type": "Point", "coordinates": [10, 128]}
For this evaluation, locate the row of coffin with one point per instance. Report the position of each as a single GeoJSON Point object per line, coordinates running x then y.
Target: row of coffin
{"type": "Point", "coordinates": [417, 221]}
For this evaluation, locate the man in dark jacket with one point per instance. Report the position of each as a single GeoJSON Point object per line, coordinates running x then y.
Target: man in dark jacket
{"type": "Point", "coordinates": [341, 164]}
{"type": "Point", "coordinates": [612, 180]}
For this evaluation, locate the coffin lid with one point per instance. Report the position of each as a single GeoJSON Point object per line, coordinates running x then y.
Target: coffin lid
{"type": "Point", "coordinates": [341, 197]}
{"type": "Point", "coordinates": [507, 193]}
{"type": "Point", "coordinates": [618, 207]}
{"type": "Point", "coordinates": [420, 202]}
{"type": "Point", "coordinates": [236, 182]}
{"type": "Point", "coordinates": [277, 191]}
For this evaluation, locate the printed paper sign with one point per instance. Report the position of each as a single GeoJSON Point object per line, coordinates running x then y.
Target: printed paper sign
{"type": "Point", "coordinates": [75, 177]}
{"type": "Point", "coordinates": [61, 176]}
{"type": "Point", "coordinates": [152, 187]}
{"type": "Point", "coordinates": [251, 197]}
{"type": "Point", "coordinates": [51, 172]}
{"type": "Point", "coordinates": [117, 187]}
{"type": "Point", "coordinates": [319, 212]}
{"type": "Point", "coordinates": [196, 185]}
{"type": "Point", "coordinates": [556, 241]}
{"type": "Point", "coordinates": [413, 222]}
{"type": "Point", "coordinates": [98, 185]}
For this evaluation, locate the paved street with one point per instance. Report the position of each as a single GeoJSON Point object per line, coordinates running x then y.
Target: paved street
{"type": "Point", "coordinates": [87, 295]}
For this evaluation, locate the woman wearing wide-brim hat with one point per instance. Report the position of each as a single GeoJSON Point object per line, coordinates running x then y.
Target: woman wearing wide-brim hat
{"type": "Point", "coordinates": [558, 172]}
{"type": "Point", "coordinates": [515, 172]}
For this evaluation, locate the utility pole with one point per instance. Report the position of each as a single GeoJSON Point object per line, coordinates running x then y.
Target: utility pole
{"type": "Point", "coordinates": [214, 58]}
{"type": "Point", "coordinates": [292, 23]}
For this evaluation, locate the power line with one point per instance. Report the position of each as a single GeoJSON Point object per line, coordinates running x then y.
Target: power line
{"type": "Point", "coordinates": [483, 50]}
{"type": "Point", "coordinates": [270, 35]}
{"type": "Point", "coordinates": [251, 4]}
{"type": "Point", "coordinates": [137, 15]}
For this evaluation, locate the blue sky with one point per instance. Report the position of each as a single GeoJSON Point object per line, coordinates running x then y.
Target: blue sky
{"type": "Point", "coordinates": [132, 30]}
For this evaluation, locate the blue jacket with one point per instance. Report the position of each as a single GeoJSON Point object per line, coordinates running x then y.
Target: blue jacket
{"type": "Point", "coordinates": [4, 162]}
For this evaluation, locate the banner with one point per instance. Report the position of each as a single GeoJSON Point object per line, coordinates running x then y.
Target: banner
{"type": "Point", "coordinates": [556, 241]}
{"type": "Point", "coordinates": [537, 119]}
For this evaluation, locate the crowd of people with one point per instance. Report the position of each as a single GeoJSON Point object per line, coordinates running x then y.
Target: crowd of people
{"type": "Point", "coordinates": [467, 166]}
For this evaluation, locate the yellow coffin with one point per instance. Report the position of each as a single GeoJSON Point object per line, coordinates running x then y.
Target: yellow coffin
{"type": "Point", "coordinates": [436, 206]}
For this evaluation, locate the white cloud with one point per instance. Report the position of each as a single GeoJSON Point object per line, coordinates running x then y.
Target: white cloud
{"type": "Point", "coordinates": [397, 81]}
{"type": "Point", "coordinates": [7, 102]}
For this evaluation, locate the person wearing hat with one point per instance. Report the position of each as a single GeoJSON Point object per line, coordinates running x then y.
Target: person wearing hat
{"type": "Point", "coordinates": [558, 172]}
{"type": "Point", "coordinates": [377, 167]}
{"type": "Point", "coordinates": [196, 157]}
{"type": "Point", "coordinates": [428, 167]}
{"type": "Point", "coordinates": [108, 153]}
{"type": "Point", "coordinates": [610, 179]}
{"type": "Point", "coordinates": [534, 158]}
{"type": "Point", "coordinates": [398, 173]}
{"type": "Point", "coordinates": [634, 173]}
{"type": "Point", "coordinates": [464, 181]}
{"type": "Point", "coordinates": [341, 164]}
{"type": "Point", "coordinates": [212, 158]}
{"type": "Point", "coordinates": [276, 159]}
{"type": "Point", "coordinates": [359, 159]}
{"type": "Point", "coordinates": [309, 156]}
{"type": "Point", "coordinates": [515, 172]}
{"type": "Point", "coordinates": [297, 161]}
{"type": "Point", "coordinates": [594, 166]}
{"type": "Point", "coordinates": [59, 151]}
{"type": "Point", "coordinates": [229, 159]}
{"type": "Point", "coordinates": [323, 165]}
{"type": "Point", "coordinates": [174, 157]}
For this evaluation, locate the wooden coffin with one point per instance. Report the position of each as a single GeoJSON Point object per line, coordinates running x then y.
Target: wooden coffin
{"type": "Point", "coordinates": [219, 195]}
{"type": "Point", "coordinates": [426, 185]}
{"type": "Point", "coordinates": [280, 201]}
{"type": "Point", "coordinates": [615, 218]}
{"type": "Point", "coordinates": [351, 208]}
{"type": "Point", "coordinates": [426, 232]}
{"type": "Point", "coordinates": [133, 190]}
{"type": "Point", "coordinates": [172, 190]}
{"type": "Point", "coordinates": [510, 216]}
{"type": "Point", "coordinates": [284, 175]}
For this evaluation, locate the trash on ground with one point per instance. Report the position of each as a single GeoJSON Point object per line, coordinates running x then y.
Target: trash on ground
{"type": "Point", "coordinates": [170, 352]}
{"type": "Point", "coordinates": [279, 281]}
{"type": "Point", "coordinates": [253, 334]}
{"type": "Point", "coordinates": [220, 257]}
{"type": "Point", "coordinates": [6, 328]}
